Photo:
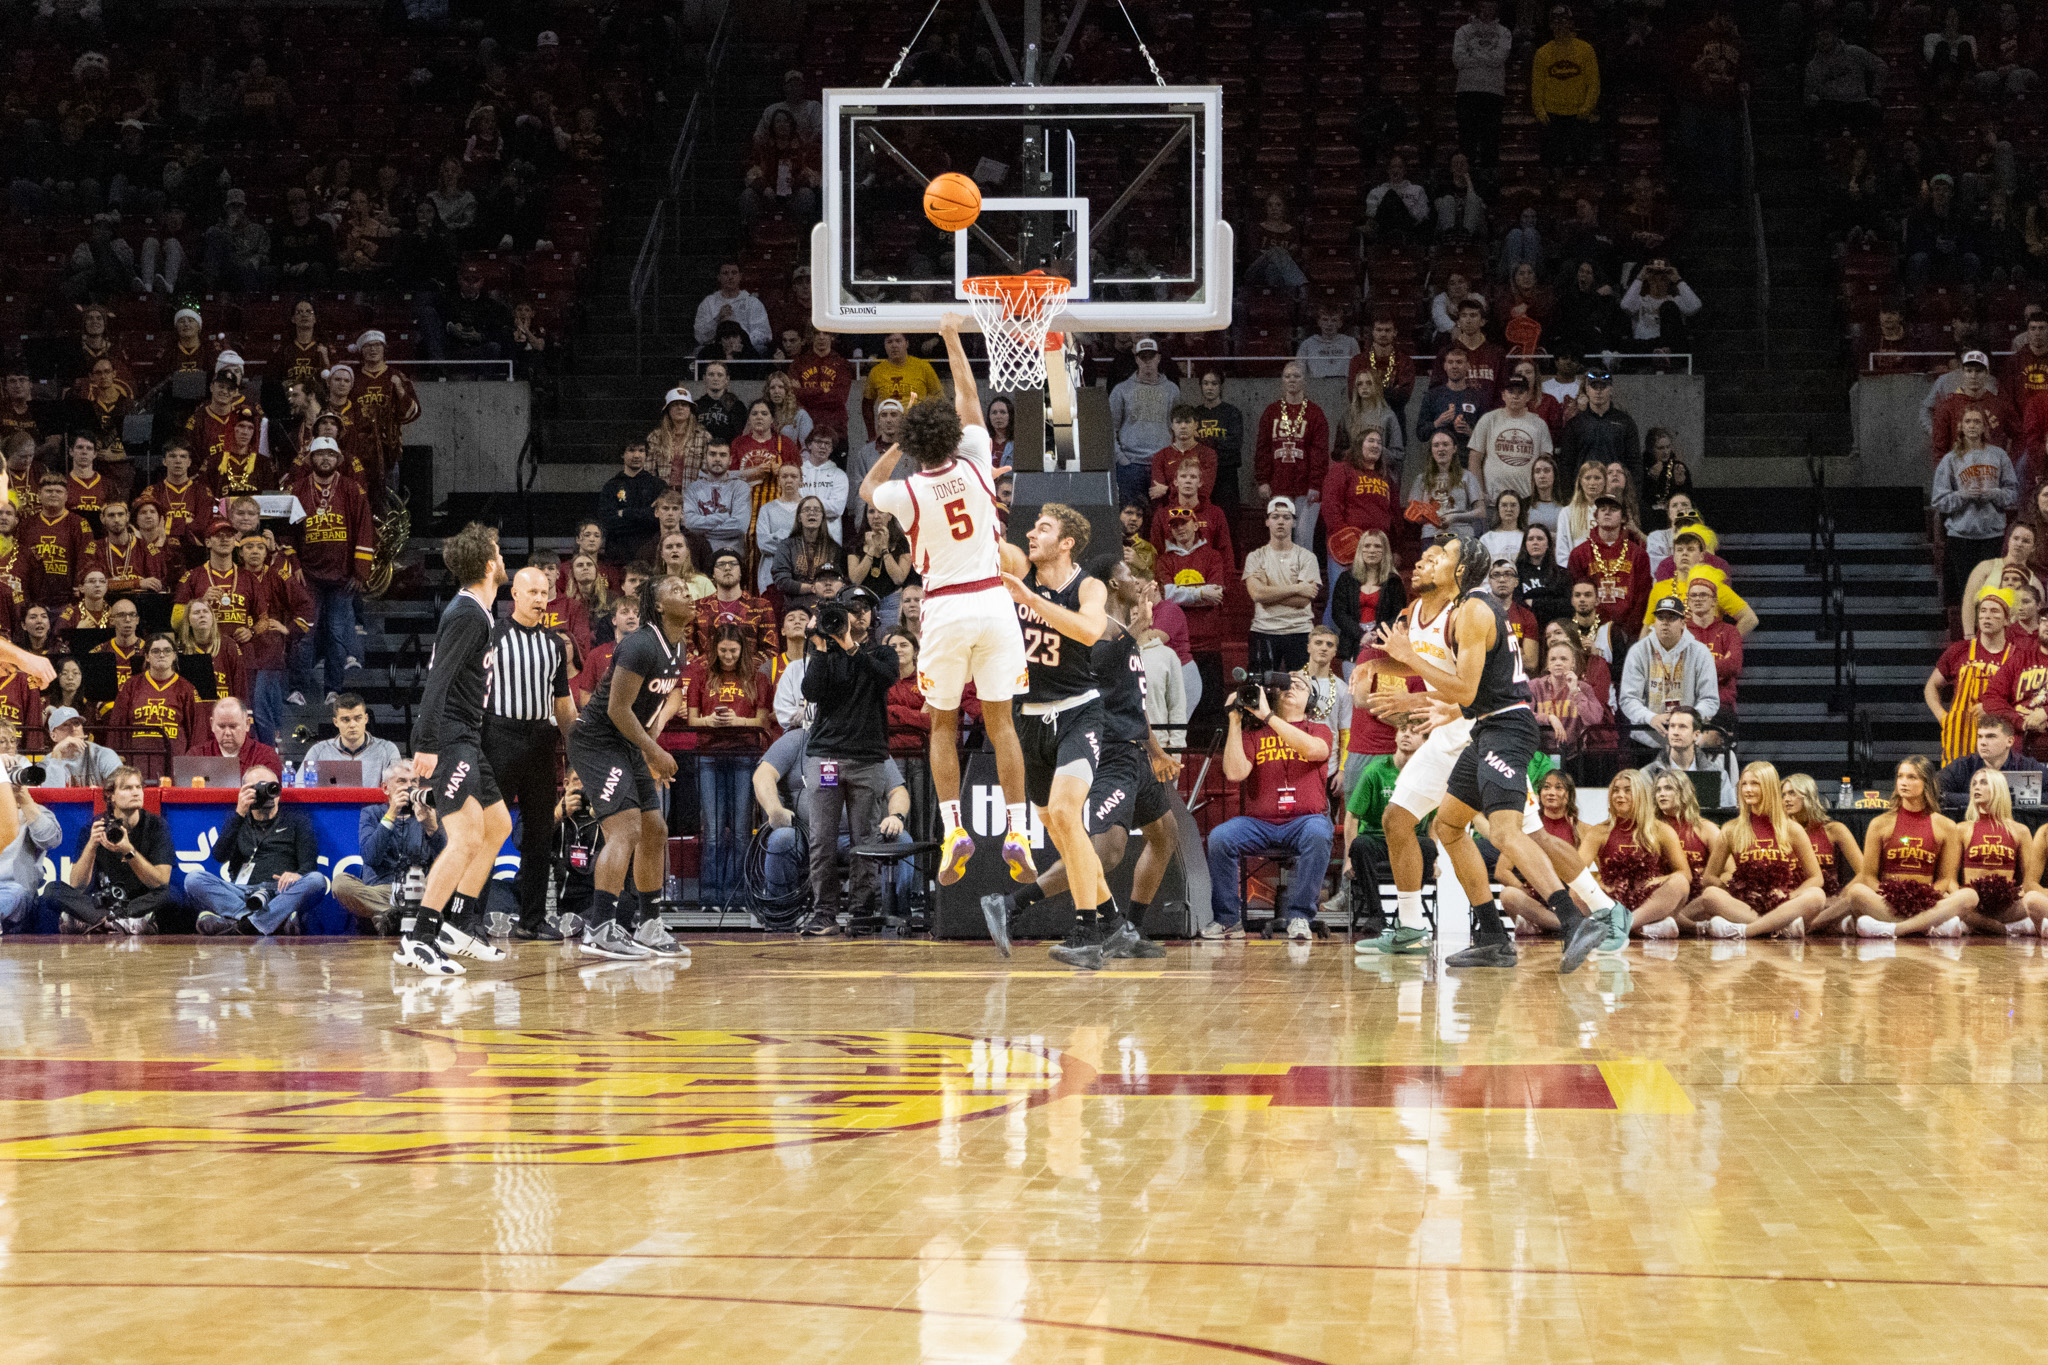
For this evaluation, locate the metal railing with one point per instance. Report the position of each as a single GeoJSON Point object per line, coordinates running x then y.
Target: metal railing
{"type": "Point", "coordinates": [755, 369]}
{"type": "Point", "coordinates": [1834, 607]}
{"type": "Point", "coordinates": [1755, 202]}
{"type": "Point", "coordinates": [1870, 362]}
{"type": "Point", "coordinates": [645, 284]}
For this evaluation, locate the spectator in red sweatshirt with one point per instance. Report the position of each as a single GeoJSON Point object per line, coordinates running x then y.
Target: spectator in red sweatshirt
{"type": "Point", "coordinates": [1293, 453]}
{"type": "Point", "coordinates": [1358, 494]}
{"type": "Point", "coordinates": [336, 542]}
{"type": "Point", "coordinates": [1617, 563]}
{"type": "Point", "coordinates": [1184, 447]}
{"type": "Point", "coordinates": [1974, 391]}
{"type": "Point", "coordinates": [1188, 501]}
{"type": "Point", "coordinates": [910, 725]}
{"type": "Point", "coordinates": [823, 382]}
{"type": "Point", "coordinates": [1195, 577]}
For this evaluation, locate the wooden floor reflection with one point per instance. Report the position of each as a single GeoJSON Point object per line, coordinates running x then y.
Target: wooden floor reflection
{"type": "Point", "coordinates": [221, 1151]}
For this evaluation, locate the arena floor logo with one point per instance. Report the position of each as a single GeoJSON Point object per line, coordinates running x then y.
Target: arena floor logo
{"type": "Point", "coordinates": [560, 1097]}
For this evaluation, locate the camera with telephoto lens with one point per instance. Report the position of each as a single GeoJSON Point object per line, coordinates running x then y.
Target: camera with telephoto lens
{"type": "Point", "coordinates": [1249, 685]}
{"type": "Point", "coordinates": [30, 775]}
{"type": "Point", "coordinates": [833, 620]}
{"type": "Point", "coordinates": [263, 793]}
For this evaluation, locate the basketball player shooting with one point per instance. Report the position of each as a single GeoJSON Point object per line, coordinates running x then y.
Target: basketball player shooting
{"type": "Point", "coordinates": [1477, 668]}
{"type": "Point", "coordinates": [947, 507]}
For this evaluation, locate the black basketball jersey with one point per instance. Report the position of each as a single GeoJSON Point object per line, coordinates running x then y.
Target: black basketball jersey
{"type": "Point", "coordinates": [1120, 673]}
{"type": "Point", "coordinates": [1502, 683]}
{"type": "Point", "coordinates": [646, 652]}
{"type": "Point", "coordinates": [1059, 666]}
{"type": "Point", "coordinates": [458, 678]}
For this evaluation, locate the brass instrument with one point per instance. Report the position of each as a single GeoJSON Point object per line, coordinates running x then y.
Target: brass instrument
{"type": "Point", "coordinates": [394, 528]}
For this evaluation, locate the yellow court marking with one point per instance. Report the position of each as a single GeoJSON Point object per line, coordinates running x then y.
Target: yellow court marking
{"type": "Point", "coordinates": [1642, 1087]}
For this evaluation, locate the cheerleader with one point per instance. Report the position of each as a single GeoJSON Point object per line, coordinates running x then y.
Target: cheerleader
{"type": "Point", "coordinates": [1834, 847]}
{"type": "Point", "coordinates": [2034, 896]}
{"type": "Point", "coordinates": [1636, 857]}
{"type": "Point", "coordinates": [1904, 850]}
{"type": "Point", "coordinates": [1557, 801]}
{"type": "Point", "coordinates": [1763, 878]}
{"type": "Point", "coordinates": [1987, 863]}
{"type": "Point", "coordinates": [1678, 805]}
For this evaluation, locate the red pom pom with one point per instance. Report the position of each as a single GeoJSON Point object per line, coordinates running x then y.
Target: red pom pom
{"type": "Point", "coordinates": [1905, 897]}
{"type": "Point", "coordinates": [1996, 896]}
{"type": "Point", "coordinates": [1630, 874]}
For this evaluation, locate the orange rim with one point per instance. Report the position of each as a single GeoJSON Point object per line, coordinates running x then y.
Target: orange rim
{"type": "Point", "coordinates": [1016, 291]}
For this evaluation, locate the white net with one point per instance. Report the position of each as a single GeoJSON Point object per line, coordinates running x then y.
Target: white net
{"type": "Point", "coordinates": [1015, 312]}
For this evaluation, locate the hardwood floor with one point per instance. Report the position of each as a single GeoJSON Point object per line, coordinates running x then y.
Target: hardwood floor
{"type": "Point", "coordinates": [286, 1151]}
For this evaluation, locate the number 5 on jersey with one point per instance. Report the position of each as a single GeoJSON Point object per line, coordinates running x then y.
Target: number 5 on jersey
{"type": "Point", "coordinates": [958, 519]}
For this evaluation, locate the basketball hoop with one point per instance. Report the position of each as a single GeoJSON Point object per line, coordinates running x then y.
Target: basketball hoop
{"type": "Point", "coordinates": [1015, 312]}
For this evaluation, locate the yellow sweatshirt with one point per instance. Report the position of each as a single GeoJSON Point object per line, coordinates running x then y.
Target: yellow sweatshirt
{"type": "Point", "coordinates": [1565, 79]}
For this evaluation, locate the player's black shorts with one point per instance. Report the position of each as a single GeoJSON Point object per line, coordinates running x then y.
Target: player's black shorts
{"type": "Point", "coordinates": [1053, 741]}
{"type": "Point", "coordinates": [1493, 772]}
{"type": "Point", "coordinates": [1125, 792]}
{"type": "Point", "coordinates": [460, 773]}
{"type": "Point", "coordinates": [615, 775]}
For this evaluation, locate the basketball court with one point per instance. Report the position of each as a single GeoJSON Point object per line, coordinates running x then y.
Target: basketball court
{"type": "Point", "coordinates": [871, 1152]}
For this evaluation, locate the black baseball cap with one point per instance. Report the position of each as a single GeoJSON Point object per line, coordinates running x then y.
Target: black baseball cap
{"type": "Point", "coordinates": [860, 599]}
{"type": "Point", "coordinates": [1668, 605]}
{"type": "Point", "coordinates": [1609, 500]}
{"type": "Point", "coordinates": [1598, 374]}
{"type": "Point", "coordinates": [829, 570]}
{"type": "Point", "coordinates": [733, 555]}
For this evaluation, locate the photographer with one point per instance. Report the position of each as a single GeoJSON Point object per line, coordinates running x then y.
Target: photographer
{"type": "Point", "coordinates": [844, 768]}
{"type": "Point", "coordinates": [1279, 765]}
{"type": "Point", "coordinates": [778, 785]}
{"type": "Point", "coordinates": [121, 873]}
{"type": "Point", "coordinates": [577, 836]}
{"type": "Point", "coordinates": [267, 855]}
{"type": "Point", "coordinates": [401, 833]}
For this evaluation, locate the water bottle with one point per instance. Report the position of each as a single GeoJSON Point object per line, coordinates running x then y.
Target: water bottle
{"type": "Point", "coordinates": [308, 777]}
{"type": "Point", "coordinates": [288, 778]}
{"type": "Point", "coordinates": [1846, 797]}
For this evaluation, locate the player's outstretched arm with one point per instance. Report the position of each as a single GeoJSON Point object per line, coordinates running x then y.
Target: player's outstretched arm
{"type": "Point", "coordinates": [1086, 625]}
{"type": "Point", "coordinates": [878, 475]}
{"type": "Point", "coordinates": [966, 397]}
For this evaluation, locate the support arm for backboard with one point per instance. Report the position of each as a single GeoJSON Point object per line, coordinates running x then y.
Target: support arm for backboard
{"type": "Point", "coordinates": [1109, 215]}
{"type": "Point", "coordinates": [1059, 391]}
{"type": "Point", "coordinates": [919, 177]}
{"type": "Point", "coordinates": [1067, 36]}
{"type": "Point", "coordinates": [1002, 43]}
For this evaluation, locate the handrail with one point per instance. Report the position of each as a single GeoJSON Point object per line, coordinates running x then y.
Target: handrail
{"type": "Point", "coordinates": [1754, 199]}
{"type": "Point", "coordinates": [744, 369]}
{"type": "Point", "coordinates": [1834, 608]}
{"type": "Point", "coordinates": [646, 279]}
{"type": "Point", "coordinates": [1871, 361]}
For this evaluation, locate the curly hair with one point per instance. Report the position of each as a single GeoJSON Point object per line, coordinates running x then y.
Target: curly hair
{"type": "Point", "coordinates": [469, 553]}
{"type": "Point", "coordinates": [931, 433]}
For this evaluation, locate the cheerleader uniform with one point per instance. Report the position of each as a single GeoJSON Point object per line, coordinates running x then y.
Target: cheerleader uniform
{"type": "Point", "coordinates": [1991, 868]}
{"type": "Point", "coordinates": [1561, 828]}
{"type": "Point", "coordinates": [1628, 872]}
{"type": "Point", "coordinates": [1830, 860]}
{"type": "Point", "coordinates": [1907, 863]}
{"type": "Point", "coordinates": [1765, 874]}
{"type": "Point", "coordinates": [1696, 851]}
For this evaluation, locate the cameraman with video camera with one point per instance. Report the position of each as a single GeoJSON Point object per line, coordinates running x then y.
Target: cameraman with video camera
{"type": "Point", "coordinates": [1277, 757]}
{"type": "Point", "coordinates": [267, 854]}
{"type": "Point", "coordinates": [847, 680]}
{"type": "Point", "coordinates": [121, 874]}
{"type": "Point", "coordinates": [400, 834]}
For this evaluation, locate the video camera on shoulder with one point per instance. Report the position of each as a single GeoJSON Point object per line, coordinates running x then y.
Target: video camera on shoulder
{"type": "Point", "coordinates": [1250, 685]}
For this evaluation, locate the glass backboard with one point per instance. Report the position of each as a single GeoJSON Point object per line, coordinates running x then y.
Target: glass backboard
{"type": "Point", "coordinates": [1118, 188]}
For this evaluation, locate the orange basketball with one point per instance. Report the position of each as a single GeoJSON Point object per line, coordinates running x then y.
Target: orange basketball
{"type": "Point", "coordinates": [952, 202]}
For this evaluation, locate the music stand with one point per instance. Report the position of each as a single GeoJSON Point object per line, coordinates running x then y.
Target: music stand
{"type": "Point", "coordinates": [197, 669]}
{"type": "Point", "coordinates": [99, 673]}
{"type": "Point", "coordinates": [2026, 789]}
{"type": "Point", "coordinates": [85, 639]}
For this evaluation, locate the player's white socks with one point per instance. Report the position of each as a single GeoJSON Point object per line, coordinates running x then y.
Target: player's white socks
{"type": "Point", "coordinates": [1410, 909]}
{"type": "Point", "coordinates": [1017, 825]}
{"type": "Point", "coordinates": [949, 815]}
{"type": "Point", "coordinates": [1589, 893]}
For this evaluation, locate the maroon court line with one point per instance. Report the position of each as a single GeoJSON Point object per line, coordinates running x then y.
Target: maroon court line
{"type": "Point", "coordinates": [1372, 1266]}
{"type": "Point", "coordinates": [1255, 1352]}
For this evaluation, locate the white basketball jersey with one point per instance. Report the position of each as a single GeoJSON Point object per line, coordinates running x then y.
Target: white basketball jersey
{"type": "Point", "coordinates": [1428, 636]}
{"type": "Point", "coordinates": [949, 514]}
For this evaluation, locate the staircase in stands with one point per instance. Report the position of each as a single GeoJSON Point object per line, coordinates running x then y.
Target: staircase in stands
{"type": "Point", "coordinates": [602, 401]}
{"type": "Point", "coordinates": [1779, 390]}
{"type": "Point", "coordinates": [1893, 609]}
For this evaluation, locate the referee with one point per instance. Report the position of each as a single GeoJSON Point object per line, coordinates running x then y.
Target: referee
{"type": "Point", "coordinates": [529, 705]}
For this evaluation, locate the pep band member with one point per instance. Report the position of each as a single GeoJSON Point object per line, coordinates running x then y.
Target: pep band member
{"type": "Point", "coordinates": [1903, 852]}
{"type": "Point", "coordinates": [1834, 846]}
{"type": "Point", "coordinates": [1638, 859]}
{"type": "Point", "coordinates": [1678, 804]}
{"type": "Point", "coordinates": [1764, 878]}
{"type": "Point", "coordinates": [1987, 864]}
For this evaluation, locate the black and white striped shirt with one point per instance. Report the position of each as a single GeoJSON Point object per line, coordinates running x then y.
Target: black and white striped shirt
{"type": "Point", "coordinates": [529, 669]}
